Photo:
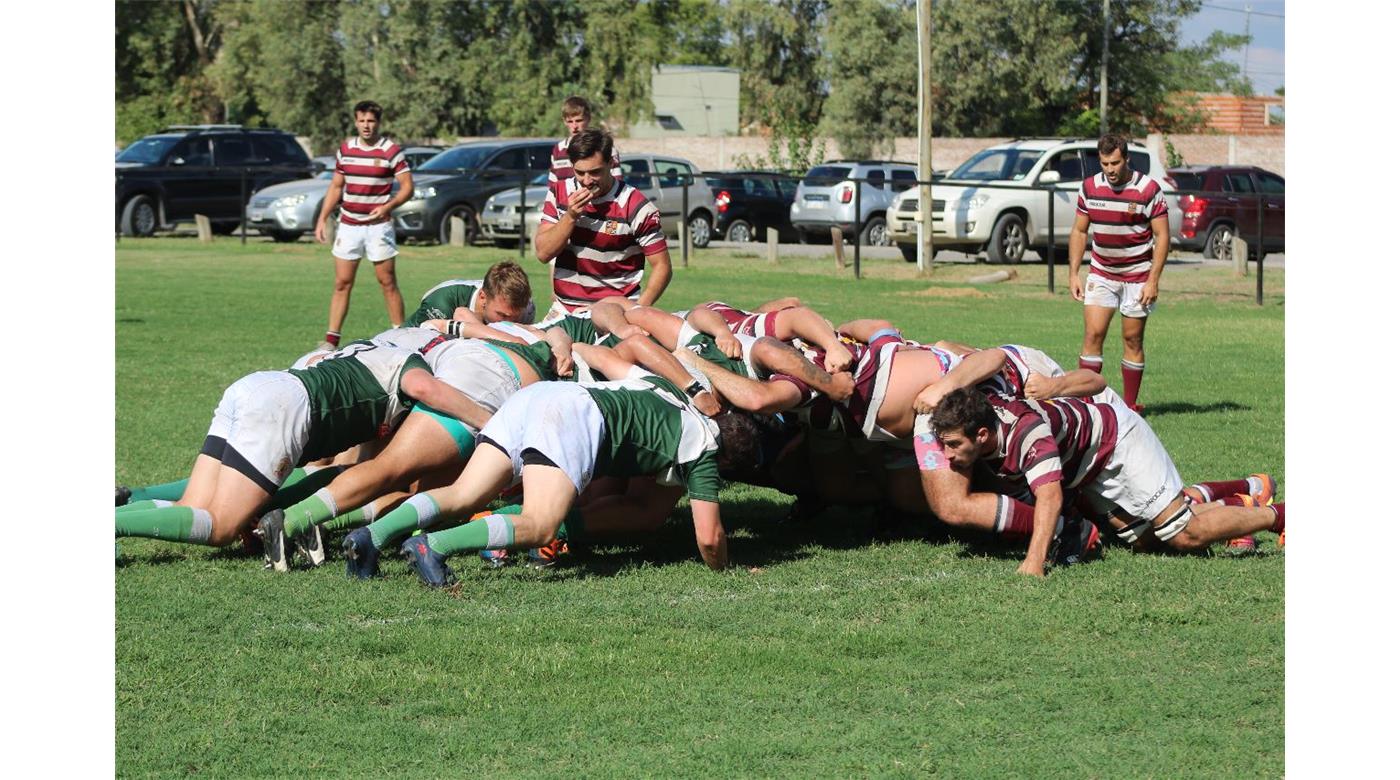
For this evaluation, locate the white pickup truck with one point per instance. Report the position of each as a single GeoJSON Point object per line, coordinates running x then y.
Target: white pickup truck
{"type": "Point", "coordinates": [1011, 216]}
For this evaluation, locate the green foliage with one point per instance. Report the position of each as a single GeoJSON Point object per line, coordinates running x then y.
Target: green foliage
{"type": "Point", "coordinates": [845, 656]}
{"type": "Point", "coordinates": [777, 48]}
{"type": "Point", "coordinates": [792, 147]}
{"type": "Point", "coordinates": [1174, 158]}
{"type": "Point", "coordinates": [874, 95]}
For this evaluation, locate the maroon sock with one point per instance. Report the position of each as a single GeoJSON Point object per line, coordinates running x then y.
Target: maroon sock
{"type": "Point", "coordinates": [1015, 519]}
{"type": "Point", "coordinates": [1092, 362]}
{"type": "Point", "coordinates": [1234, 500]}
{"type": "Point", "coordinates": [1132, 380]}
{"type": "Point", "coordinates": [1277, 527]}
{"type": "Point", "coordinates": [333, 338]}
{"type": "Point", "coordinates": [1213, 490]}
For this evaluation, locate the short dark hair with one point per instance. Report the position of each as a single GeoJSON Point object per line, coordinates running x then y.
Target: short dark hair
{"type": "Point", "coordinates": [964, 409]}
{"type": "Point", "coordinates": [507, 279]}
{"type": "Point", "coordinates": [369, 107]}
{"type": "Point", "coordinates": [1111, 141]}
{"type": "Point", "coordinates": [576, 105]}
{"type": "Point", "coordinates": [589, 143]}
{"type": "Point", "coordinates": [738, 442]}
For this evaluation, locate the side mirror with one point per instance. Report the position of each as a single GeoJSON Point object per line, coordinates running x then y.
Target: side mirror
{"type": "Point", "coordinates": [1049, 177]}
{"type": "Point", "coordinates": [177, 161]}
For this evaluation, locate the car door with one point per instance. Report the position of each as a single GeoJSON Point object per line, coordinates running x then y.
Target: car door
{"type": "Point", "coordinates": [231, 182]}
{"type": "Point", "coordinates": [1241, 198]}
{"type": "Point", "coordinates": [1272, 188]}
{"type": "Point", "coordinates": [671, 181]}
{"type": "Point", "coordinates": [189, 164]}
{"type": "Point", "coordinates": [1070, 164]}
{"type": "Point", "coordinates": [766, 207]}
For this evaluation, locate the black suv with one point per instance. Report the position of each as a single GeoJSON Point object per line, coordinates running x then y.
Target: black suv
{"type": "Point", "coordinates": [186, 170]}
{"type": "Point", "coordinates": [457, 182]}
{"type": "Point", "coordinates": [749, 202]}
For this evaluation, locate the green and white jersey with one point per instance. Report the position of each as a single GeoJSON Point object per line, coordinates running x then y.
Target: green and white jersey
{"type": "Point", "coordinates": [538, 356]}
{"type": "Point", "coordinates": [355, 395]}
{"type": "Point", "coordinates": [704, 346]}
{"type": "Point", "coordinates": [443, 299]}
{"type": "Point", "coordinates": [581, 329]}
{"type": "Point", "coordinates": [407, 337]}
{"type": "Point", "coordinates": [652, 429]}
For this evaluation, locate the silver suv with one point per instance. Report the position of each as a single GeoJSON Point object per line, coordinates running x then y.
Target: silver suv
{"type": "Point", "coordinates": [1012, 217]}
{"type": "Point", "coordinates": [826, 199]}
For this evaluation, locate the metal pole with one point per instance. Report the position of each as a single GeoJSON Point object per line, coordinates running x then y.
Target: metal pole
{"type": "Point", "coordinates": [1050, 241]}
{"type": "Point", "coordinates": [1103, 75]}
{"type": "Point", "coordinates": [856, 255]}
{"type": "Point", "coordinates": [685, 221]}
{"type": "Point", "coordinates": [243, 204]}
{"type": "Point", "coordinates": [1259, 232]}
{"type": "Point", "coordinates": [524, 179]}
{"type": "Point", "coordinates": [925, 160]}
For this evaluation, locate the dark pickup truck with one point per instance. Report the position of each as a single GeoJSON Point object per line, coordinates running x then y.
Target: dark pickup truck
{"type": "Point", "coordinates": [186, 170]}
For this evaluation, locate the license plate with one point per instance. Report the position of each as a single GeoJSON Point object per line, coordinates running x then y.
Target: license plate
{"type": "Point", "coordinates": [505, 222]}
{"type": "Point", "coordinates": [255, 215]}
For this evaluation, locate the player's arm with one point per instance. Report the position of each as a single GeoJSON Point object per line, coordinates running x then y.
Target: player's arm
{"type": "Point", "coordinates": [865, 331]}
{"type": "Point", "coordinates": [1048, 500]}
{"type": "Point", "coordinates": [333, 195]}
{"type": "Point", "coordinates": [1079, 383]}
{"type": "Point", "coordinates": [557, 224]}
{"type": "Point", "coordinates": [1078, 240]}
{"type": "Point", "coordinates": [741, 391]}
{"type": "Point", "coordinates": [642, 351]}
{"type": "Point", "coordinates": [710, 323]}
{"type": "Point", "coordinates": [1161, 244]}
{"type": "Point", "coordinates": [709, 534]}
{"type": "Point", "coordinates": [427, 389]}
{"type": "Point", "coordinates": [561, 345]}
{"type": "Point", "coordinates": [470, 330]}
{"type": "Point", "coordinates": [974, 368]}
{"type": "Point", "coordinates": [956, 347]}
{"type": "Point", "coordinates": [779, 357]}
{"type": "Point", "coordinates": [404, 195]}
{"type": "Point", "coordinates": [658, 277]}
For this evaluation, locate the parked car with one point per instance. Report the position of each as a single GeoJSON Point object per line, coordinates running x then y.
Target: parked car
{"type": "Point", "coordinates": [1210, 222]}
{"type": "Point", "coordinates": [1008, 220]}
{"type": "Point", "coordinates": [286, 211]}
{"type": "Point", "coordinates": [747, 203]}
{"type": "Point", "coordinates": [457, 182]}
{"type": "Point", "coordinates": [659, 178]}
{"type": "Point", "coordinates": [825, 198]}
{"type": "Point", "coordinates": [186, 170]}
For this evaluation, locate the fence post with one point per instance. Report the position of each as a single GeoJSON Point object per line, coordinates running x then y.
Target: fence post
{"type": "Point", "coordinates": [772, 245]}
{"type": "Point", "coordinates": [201, 226]}
{"type": "Point", "coordinates": [1259, 231]}
{"type": "Point", "coordinates": [1050, 241]}
{"type": "Point", "coordinates": [838, 242]}
{"type": "Point", "coordinates": [855, 256]}
{"type": "Point", "coordinates": [243, 204]}
{"type": "Point", "coordinates": [685, 221]}
{"type": "Point", "coordinates": [524, 179]}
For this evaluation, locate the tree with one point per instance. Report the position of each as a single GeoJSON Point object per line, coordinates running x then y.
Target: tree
{"type": "Point", "coordinates": [777, 48]}
{"type": "Point", "coordinates": [874, 96]}
{"type": "Point", "coordinates": [162, 53]}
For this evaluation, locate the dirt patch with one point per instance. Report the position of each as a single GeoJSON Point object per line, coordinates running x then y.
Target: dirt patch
{"type": "Point", "coordinates": [947, 292]}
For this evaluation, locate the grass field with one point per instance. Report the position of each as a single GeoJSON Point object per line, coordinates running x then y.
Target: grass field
{"type": "Point", "coordinates": [842, 656]}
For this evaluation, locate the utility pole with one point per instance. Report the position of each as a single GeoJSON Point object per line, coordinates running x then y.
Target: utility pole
{"type": "Point", "coordinates": [1103, 75]}
{"type": "Point", "coordinates": [925, 172]}
{"type": "Point", "coordinates": [1249, 9]}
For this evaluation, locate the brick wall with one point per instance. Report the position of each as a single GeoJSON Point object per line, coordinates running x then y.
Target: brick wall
{"type": "Point", "coordinates": [1238, 115]}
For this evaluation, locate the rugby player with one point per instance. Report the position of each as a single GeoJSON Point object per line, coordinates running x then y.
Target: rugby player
{"type": "Point", "coordinates": [503, 295]}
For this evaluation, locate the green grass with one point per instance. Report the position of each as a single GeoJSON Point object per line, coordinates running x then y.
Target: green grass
{"type": "Point", "coordinates": [842, 656]}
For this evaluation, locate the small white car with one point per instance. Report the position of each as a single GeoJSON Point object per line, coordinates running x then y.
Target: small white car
{"type": "Point", "coordinates": [1012, 215]}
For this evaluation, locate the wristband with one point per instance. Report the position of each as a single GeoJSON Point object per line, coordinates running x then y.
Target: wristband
{"type": "Point", "coordinates": [694, 388]}
{"type": "Point", "coordinates": [454, 328]}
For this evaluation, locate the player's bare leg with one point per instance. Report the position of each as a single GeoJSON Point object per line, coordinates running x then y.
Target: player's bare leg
{"type": "Point", "coordinates": [389, 286]}
{"type": "Point", "coordinates": [204, 477]}
{"type": "Point", "coordinates": [643, 508]}
{"type": "Point", "coordinates": [777, 304]}
{"type": "Point", "coordinates": [664, 326]}
{"type": "Point", "coordinates": [216, 522]}
{"type": "Point", "coordinates": [809, 326]}
{"type": "Point", "coordinates": [340, 297]}
{"type": "Point", "coordinates": [1197, 527]}
{"type": "Point", "coordinates": [1096, 320]}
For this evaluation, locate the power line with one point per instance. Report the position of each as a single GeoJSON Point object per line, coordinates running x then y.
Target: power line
{"type": "Point", "coordinates": [1241, 11]}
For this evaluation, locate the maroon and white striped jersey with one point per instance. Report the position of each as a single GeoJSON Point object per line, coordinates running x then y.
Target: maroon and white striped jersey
{"type": "Point", "coordinates": [369, 173]}
{"type": "Point", "coordinates": [1065, 440]}
{"type": "Point", "coordinates": [1020, 363]}
{"type": "Point", "coordinates": [745, 323]}
{"type": "Point", "coordinates": [1120, 224]}
{"type": "Point", "coordinates": [561, 169]}
{"type": "Point", "coordinates": [608, 246]}
{"type": "Point", "coordinates": [867, 362]}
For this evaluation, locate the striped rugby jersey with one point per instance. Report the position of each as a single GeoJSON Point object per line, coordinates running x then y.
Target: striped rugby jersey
{"type": "Point", "coordinates": [866, 360]}
{"type": "Point", "coordinates": [746, 323]}
{"type": "Point", "coordinates": [562, 169]}
{"type": "Point", "coordinates": [608, 246]}
{"type": "Point", "coordinates": [1120, 225]}
{"type": "Point", "coordinates": [1066, 440]}
{"type": "Point", "coordinates": [369, 177]}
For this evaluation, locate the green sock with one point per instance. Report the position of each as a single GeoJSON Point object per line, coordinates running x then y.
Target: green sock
{"type": "Point", "coordinates": [418, 511]}
{"type": "Point", "coordinates": [169, 491]}
{"type": "Point", "coordinates": [315, 510]}
{"type": "Point", "coordinates": [355, 518]}
{"type": "Point", "coordinates": [171, 523]}
{"type": "Point", "coordinates": [509, 509]}
{"type": "Point", "coordinates": [149, 503]}
{"type": "Point", "coordinates": [299, 485]}
{"type": "Point", "coordinates": [493, 532]}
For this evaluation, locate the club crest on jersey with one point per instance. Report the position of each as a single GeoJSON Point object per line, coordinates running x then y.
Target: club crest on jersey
{"type": "Point", "coordinates": [612, 227]}
{"type": "Point", "coordinates": [1134, 208]}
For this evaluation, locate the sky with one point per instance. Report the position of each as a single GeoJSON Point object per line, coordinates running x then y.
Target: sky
{"type": "Point", "coordinates": [1265, 53]}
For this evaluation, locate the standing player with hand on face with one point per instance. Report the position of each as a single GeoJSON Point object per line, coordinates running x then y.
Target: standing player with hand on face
{"type": "Point", "coordinates": [1129, 217]}
{"type": "Point", "coordinates": [366, 168]}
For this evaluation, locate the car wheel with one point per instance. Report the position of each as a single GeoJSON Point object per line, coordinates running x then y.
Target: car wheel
{"type": "Point", "coordinates": [284, 236]}
{"type": "Point", "coordinates": [1220, 243]}
{"type": "Point", "coordinates": [1008, 244]}
{"type": "Point", "coordinates": [139, 216]}
{"type": "Point", "coordinates": [803, 237]}
{"type": "Point", "coordinates": [506, 243]}
{"type": "Point", "coordinates": [468, 215]}
{"type": "Point", "coordinates": [910, 252]}
{"type": "Point", "coordinates": [874, 233]}
{"type": "Point", "coordinates": [739, 230]}
{"type": "Point", "coordinates": [700, 230]}
{"type": "Point", "coordinates": [223, 228]}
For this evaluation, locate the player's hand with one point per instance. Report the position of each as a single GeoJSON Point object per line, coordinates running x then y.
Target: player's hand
{"type": "Point", "coordinates": [1040, 387]}
{"type": "Point", "coordinates": [835, 362]}
{"type": "Point", "coordinates": [1076, 287]}
{"type": "Point", "coordinates": [707, 403]}
{"type": "Point", "coordinates": [321, 232]}
{"type": "Point", "coordinates": [730, 346]}
{"type": "Point", "coordinates": [1149, 294]}
{"type": "Point", "coordinates": [926, 400]}
{"type": "Point", "coordinates": [379, 214]}
{"type": "Point", "coordinates": [578, 200]}
{"type": "Point", "coordinates": [1031, 568]}
{"type": "Point", "coordinates": [563, 362]}
{"type": "Point", "coordinates": [843, 384]}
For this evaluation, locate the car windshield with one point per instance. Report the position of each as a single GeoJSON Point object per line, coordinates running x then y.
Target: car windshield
{"type": "Point", "coordinates": [992, 164]}
{"type": "Point", "coordinates": [826, 175]}
{"type": "Point", "coordinates": [148, 150]}
{"type": "Point", "coordinates": [467, 157]}
{"type": "Point", "coordinates": [327, 174]}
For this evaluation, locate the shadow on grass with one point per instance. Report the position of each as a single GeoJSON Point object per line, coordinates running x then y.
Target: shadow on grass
{"type": "Point", "coordinates": [1185, 407]}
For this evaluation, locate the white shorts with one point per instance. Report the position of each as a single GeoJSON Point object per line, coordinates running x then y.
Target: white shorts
{"type": "Point", "coordinates": [560, 420]}
{"type": "Point", "coordinates": [264, 419]}
{"type": "Point", "coordinates": [353, 242]}
{"type": "Point", "coordinates": [1123, 296]}
{"type": "Point", "coordinates": [1140, 478]}
{"type": "Point", "coordinates": [480, 371]}
{"type": "Point", "coordinates": [559, 310]}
